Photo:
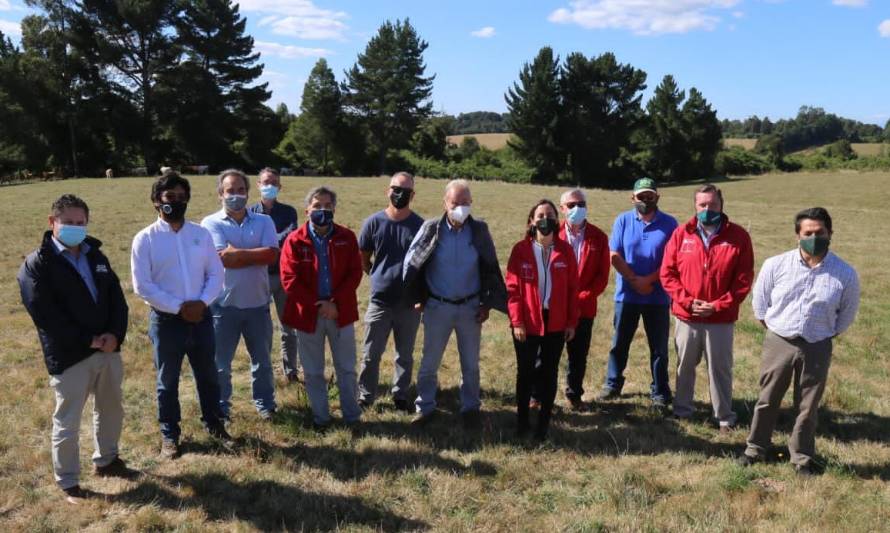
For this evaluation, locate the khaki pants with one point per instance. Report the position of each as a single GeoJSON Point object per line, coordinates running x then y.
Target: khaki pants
{"type": "Point", "coordinates": [714, 341]}
{"type": "Point", "coordinates": [101, 375]}
{"type": "Point", "coordinates": [807, 365]}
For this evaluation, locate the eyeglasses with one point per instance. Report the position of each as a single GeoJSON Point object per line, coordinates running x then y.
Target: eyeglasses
{"type": "Point", "coordinates": [572, 205]}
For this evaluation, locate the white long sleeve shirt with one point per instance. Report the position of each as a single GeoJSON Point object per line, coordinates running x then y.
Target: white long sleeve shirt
{"type": "Point", "coordinates": [172, 267]}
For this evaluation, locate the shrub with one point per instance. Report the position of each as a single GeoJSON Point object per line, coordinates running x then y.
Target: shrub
{"type": "Point", "coordinates": [736, 161]}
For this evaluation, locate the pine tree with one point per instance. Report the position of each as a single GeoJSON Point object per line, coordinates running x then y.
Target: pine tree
{"type": "Point", "coordinates": [387, 90]}
{"type": "Point", "coordinates": [534, 106]}
{"type": "Point", "coordinates": [666, 136]}
{"type": "Point", "coordinates": [703, 134]}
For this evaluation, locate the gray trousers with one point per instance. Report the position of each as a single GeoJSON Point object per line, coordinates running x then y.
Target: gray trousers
{"type": "Point", "coordinates": [342, 341]}
{"type": "Point", "coordinates": [289, 362]}
{"type": "Point", "coordinates": [379, 321]}
{"type": "Point", "coordinates": [439, 320]}
{"type": "Point", "coordinates": [784, 360]}
{"type": "Point", "coordinates": [99, 375]}
{"type": "Point", "coordinates": [713, 341]}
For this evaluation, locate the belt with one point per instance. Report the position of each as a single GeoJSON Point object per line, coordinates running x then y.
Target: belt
{"type": "Point", "coordinates": [459, 301]}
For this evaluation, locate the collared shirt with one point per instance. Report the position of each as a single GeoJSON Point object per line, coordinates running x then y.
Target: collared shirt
{"type": "Point", "coordinates": [172, 267]}
{"type": "Point", "coordinates": [576, 240]}
{"type": "Point", "coordinates": [796, 300]}
{"type": "Point", "coordinates": [324, 265]}
{"type": "Point", "coordinates": [246, 287]}
{"type": "Point", "coordinates": [705, 236]}
{"type": "Point", "coordinates": [641, 244]}
{"type": "Point", "coordinates": [453, 269]}
{"type": "Point", "coordinates": [545, 283]}
{"type": "Point", "coordinates": [285, 219]}
{"type": "Point", "coordinates": [81, 264]}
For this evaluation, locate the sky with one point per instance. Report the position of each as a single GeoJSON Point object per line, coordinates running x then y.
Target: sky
{"type": "Point", "coordinates": [748, 57]}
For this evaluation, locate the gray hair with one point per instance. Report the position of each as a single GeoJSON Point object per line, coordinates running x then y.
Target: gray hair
{"type": "Point", "coordinates": [269, 170]}
{"type": "Point", "coordinates": [231, 172]}
{"type": "Point", "coordinates": [457, 184]}
{"type": "Point", "coordinates": [321, 190]}
{"type": "Point", "coordinates": [574, 192]}
{"type": "Point", "coordinates": [408, 175]}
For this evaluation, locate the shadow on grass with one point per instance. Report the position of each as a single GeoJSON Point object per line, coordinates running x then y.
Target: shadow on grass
{"type": "Point", "coordinates": [266, 505]}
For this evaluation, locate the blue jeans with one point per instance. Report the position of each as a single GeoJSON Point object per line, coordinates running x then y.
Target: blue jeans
{"type": "Point", "coordinates": [657, 323]}
{"type": "Point", "coordinates": [172, 339]}
{"type": "Point", "coordinates": [255, 324]}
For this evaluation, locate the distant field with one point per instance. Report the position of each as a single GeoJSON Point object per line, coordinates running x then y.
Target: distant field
{"type": "Point", "coordinates": [861, 149]}
{"type": "Point", "coordinates": [747, 144]}
{"type": "Point", "coordinates": [492, 141]}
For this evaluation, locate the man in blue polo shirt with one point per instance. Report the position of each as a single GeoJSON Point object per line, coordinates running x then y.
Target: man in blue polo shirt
{"type": "Point", "coordinates": [637, 246]}
{"type": "Point", "coordinates": [247, 245]}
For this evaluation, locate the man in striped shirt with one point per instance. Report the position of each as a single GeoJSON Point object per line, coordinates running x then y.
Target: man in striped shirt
{"type": "Point", "coordinates": [804, 297]}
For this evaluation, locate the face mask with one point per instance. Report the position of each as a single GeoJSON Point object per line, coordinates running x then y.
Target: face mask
{"type": "Point", "coordinates": [268, 192]}
{"type": "Point", "coordinates": [644, 208]}
{"type": "Point", "coordinates": [400, 198]}
{"type": "Point", "coordinates": [577, 215]}
{"type": "Point", "coordinates": [235, 202]}
{"type": "Point", "coordinates": [708, 217]}
{"type": "Point", "coordinates": [546, 226]}
{"type": "Point", "coordinates": [816, 246]}
{"type": "Point", "coordinates": [459, 214]}
{"type": "Point", "coordinates": [174, 211]}
{"type": "Point", "coordinates": [321, 217]}
{"type": "Point", "coordinates": [72, 235]}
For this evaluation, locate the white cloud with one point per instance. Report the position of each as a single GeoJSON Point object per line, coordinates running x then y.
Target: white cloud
{"type": "Point", "coordinates": [5, 6]}
{"type": "Point", "coordinates": [643, 17]}
{"type": "Point", "coordinates": [850, 3]}
{"type": "Point", "coordinates": [10, 29]}
{"type": "Point", "coordinates": [298, 18]}
{"type": "Point", "coordinates": [884, 28]}
{"type": "Point", "coordinates": [484, 33]}
{"type": "Point", "coordinates": [286, 51]}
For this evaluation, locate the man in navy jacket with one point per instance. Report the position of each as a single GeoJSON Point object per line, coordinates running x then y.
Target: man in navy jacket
{"type": "Point", "coordinates": [78, 307]}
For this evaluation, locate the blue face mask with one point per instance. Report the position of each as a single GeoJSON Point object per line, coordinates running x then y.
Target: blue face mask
{"type": "Point", "coordinates": [268, 192]}
{"type": "Point", "coordinates": [72, 235]}
{"type": "Point", "coordinates": [321, 217]}
{"type": "Point", "coordinates": [708, 217]}
{"type": "Point", "coordinates": [577, 215]}
{"type": "Point", "coordinates": [235, 202]}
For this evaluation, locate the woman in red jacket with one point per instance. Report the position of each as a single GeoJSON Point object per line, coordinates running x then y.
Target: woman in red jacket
{"type": "Point", "coordinates": [542, 299]}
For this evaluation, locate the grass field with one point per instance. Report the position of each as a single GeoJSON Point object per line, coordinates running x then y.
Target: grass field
{"type": "Point", "coordinates": [621, 467]}
{"type": "Point", "coordinates": [861, 149]}
{"type": "Point", "coordinates": [492, 141]}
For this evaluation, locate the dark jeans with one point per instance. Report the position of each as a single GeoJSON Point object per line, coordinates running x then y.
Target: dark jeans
{"type": "Point", "coordinates": [577, 350]}
{"type": "Point", "coordinates": [537, 367]}
{"type": "Point", "coordinates": [657, 323]}
{"type": "Point", "coordinates": [173, 338]}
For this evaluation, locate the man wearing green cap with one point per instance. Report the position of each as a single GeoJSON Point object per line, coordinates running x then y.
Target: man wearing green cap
{"type": "Point", "coordinates": [637, 247]}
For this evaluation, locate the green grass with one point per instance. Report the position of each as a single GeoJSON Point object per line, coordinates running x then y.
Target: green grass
{"type": "Point", "coordinates": [621, 467]}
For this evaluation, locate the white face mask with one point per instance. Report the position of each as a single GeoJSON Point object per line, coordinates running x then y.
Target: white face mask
{"type": "Point", "coordinates": [459, 213]}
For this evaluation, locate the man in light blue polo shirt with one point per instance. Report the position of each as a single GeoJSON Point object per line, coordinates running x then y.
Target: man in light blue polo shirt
{"type": "Point", "coordinates": [247, 244]}
{"type": "Point", "coordinates": [637, 247]}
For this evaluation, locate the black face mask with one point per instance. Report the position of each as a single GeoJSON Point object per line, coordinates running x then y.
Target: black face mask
{"type": "Point", "coordinates": [400, 197]}
{"type": "Point", "coordinates": [546, 226]}
{"type": "Point", "coordinates": [644, 208]}
{"type": "Point", "coordinates": [173, 211]}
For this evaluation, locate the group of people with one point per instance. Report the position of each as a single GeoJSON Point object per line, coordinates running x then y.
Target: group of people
{"type": "Point", "coordinates": [210, 284]}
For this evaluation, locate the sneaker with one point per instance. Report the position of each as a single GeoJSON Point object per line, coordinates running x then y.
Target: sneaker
{"type": "Point", "coordinates": [169, 449]}
{"type": "Point", "coordinates": [746, 460]}
{"type": "Point", "coordinates": [222, 436]}
{"type": "Point", "coordinates": [402, 404]}
{"type": "Point", "coordinates": [577, 404]}
{"type": "Point", "coordinates": [472, 420]}
{"type": "Point", "coordinates": [607, 394]}
{"type": "Point", "coordinates": [116, 468]}
{"type": "Point", "coordinates": [76, 495]}
{"type": "Point", "coordinates": [421, 419]}
{"type": "Point", "coordinates": [660, 403]}
{"type": "Point", "coordinates": [267, 415]}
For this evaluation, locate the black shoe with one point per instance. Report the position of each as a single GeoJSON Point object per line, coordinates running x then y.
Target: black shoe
{"type": "Point", "coordinates": [222, 436]}
{"type": "Point", "coordinates": [607, 394]}
{"type": "Point", "coordinates": [577, 404]}
{"type": "Point", "coordinates": [746, 460]}
{"type": "Point", "coordinates": [320, 427]}
{"type": "Point", "coordinates": [76, 495]}
{"type": "Point", "coordinates": [472, 420]}
{"type": "Point", "coordinates": [292, 379]}
{"type": "Point", "coordinates": [169, 450]}
{"type": "Point", "coordinates": [402, 404]}
{"type": "Point", "coordinates": [421, 419]}
{"type": "Point", "coordinates": [804, 471]}
{"type": "Point", "coordinates": [116, 468]}
{"type": "Point", "coordinates": [364, 404]}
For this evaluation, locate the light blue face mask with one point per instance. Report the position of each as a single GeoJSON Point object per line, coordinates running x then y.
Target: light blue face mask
{"type": "Point", "coordinates": [71, 235]}
{"type": "Point", "coordinates": [577, 215]}
{"type": "Point", "coordinates": [235, 202]}
{"type": "Point", "coordinates": [269, 192]}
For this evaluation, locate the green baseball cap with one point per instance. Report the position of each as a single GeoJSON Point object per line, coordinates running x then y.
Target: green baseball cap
{"type": "Point", "coordinates": [645, 184]}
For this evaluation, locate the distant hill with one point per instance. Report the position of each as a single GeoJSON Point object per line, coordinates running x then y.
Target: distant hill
{"type": "Point", "coordinates": [480, 122]}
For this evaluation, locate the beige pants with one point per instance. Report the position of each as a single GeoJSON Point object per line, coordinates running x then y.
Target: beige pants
{"type": "Point", "coordinates": [101, 375]}
{"type": "Point", "coordinates": [714, 341]}
{"type": "Point", "coordinates": [785, 361]}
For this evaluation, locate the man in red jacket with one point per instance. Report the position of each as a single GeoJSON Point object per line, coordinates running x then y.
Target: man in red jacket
{"type": "Point", "coordinates": [591, 248]}
{"type": "Point", "coordinates": [708, 270]}
{"type": "Point", "coordinates": [320, 271]}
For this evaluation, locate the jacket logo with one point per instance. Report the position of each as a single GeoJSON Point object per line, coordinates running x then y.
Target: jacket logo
{"type": "Point", "coordinates": [559, 264]}
{"type": "Point", "coordinates": [305, 254]}
{"type": "Point", "coordinates": [340, 243]}
{"type": "Point", "coordinates": [527, 271]}
{"type": "Point", "coordinates": [688, 246]}
{"type": "Point", "coordinates": [101, 269]}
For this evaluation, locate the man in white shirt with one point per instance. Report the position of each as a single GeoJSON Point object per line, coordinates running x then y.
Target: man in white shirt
{"type": "Point", "coordinates": [177, 271]}
{"type": "Point", "coordinates": [804, 297]}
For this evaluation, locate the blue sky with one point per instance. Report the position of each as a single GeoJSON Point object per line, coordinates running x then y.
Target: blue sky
{"type": "Point", "coordinates": [764, 57]}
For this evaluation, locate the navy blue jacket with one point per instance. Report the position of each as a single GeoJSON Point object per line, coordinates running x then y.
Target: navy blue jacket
{"type": "Point", "coordinates": [62, 308]}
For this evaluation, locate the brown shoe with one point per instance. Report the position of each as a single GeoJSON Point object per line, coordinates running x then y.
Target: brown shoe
{"type": "Point", "coordinates": [116, 468]}
{"type": "Point", "coordinates": [421, 419]}
{"type": "Point", "coordinates": [169, 450]}
{"type": "Point", "coordinates": [76, 495]}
